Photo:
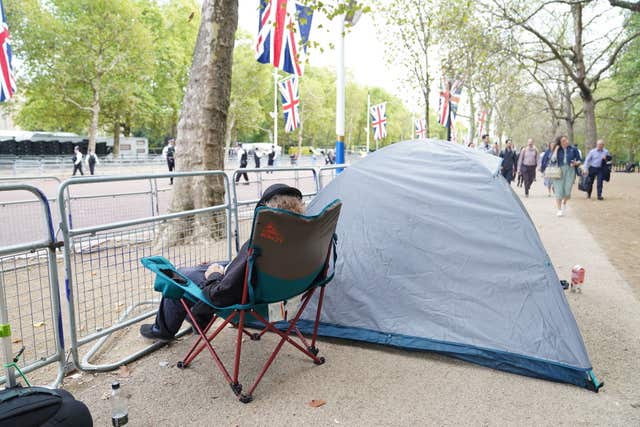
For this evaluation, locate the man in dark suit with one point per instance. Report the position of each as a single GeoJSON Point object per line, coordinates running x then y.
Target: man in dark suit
{"type": "Point", "coordinates": [509, 161]}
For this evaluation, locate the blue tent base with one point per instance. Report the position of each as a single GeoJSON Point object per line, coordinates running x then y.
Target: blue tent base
{"type": "Point", "coordinates": [504, 361]}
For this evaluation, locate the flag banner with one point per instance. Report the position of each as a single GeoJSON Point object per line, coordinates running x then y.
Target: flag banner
{"type": "Point", "coordinates": [379, 120]}
{"type": "Point", "coordinates": [448, 102]}
{"type": "Point", "coordinates": [482, 117]}
{"type": "Point", "coordinates": [283, 33]}
{"type": "Point", "coordinates": [290, 101]}
{"type": "Point", "coordinates": [421, 128]}
{"type": "Point", "coordinates": [7, 82]}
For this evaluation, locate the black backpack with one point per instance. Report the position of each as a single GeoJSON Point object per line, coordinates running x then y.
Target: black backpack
{"type": "Point", "coordinates": [39, 406]}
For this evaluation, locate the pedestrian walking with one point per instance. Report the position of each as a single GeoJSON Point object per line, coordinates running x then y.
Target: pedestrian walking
{"type": "Point", "coordinates": [92, 160]}
{"type": "Point", "coordinates": [509, 161]}
{"type": "Point", "coordinates": [527, 164]}
{"type": "Point", "coordinates": [544, 162]}
{"type": "Point", "coordinates": [596, 168]}
{"type": "Point", "coordinates": [169, 153]}
{"type": "Point", "coordinates": [568, 159]}
{"type": "Point", "coordinates": [256, 157]}
{"type": "Point", "coordinates": [485, 146]}
{"type": "Point", "coordinates": [242, 155]}
{"type": "Point", "coordinates": [77, 161]}
{"type": "Point", "coordinates": [495, 150]}
{"type": "Point", "coordinates": [271, 156]}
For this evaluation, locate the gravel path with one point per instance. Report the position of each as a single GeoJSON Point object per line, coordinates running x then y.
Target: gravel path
{"type": "Point", "coordinates": [371, 385]}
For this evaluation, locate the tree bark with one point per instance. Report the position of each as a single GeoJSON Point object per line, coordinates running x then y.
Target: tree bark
{"type": "Point", "coordinates": [586, 92]}
{"type": "Point", "coordinates": [590, 131]}
{"type": "Point", "coordinates": [116, 139]}
{"type": "Point", "coordinates": [95, 117]}
{"type": "Point", "coordinates": [203, 120]}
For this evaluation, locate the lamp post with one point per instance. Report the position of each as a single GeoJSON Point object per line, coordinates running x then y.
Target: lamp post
{"type": "Point", "coordinates": [349, 18]}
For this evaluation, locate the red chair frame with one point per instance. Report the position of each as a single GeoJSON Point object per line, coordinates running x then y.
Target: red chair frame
{"type": "Point", "coordinates": [204, 341]}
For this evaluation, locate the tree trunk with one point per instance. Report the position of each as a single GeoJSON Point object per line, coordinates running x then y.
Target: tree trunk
{"type": "Point", "coordinates": [95, 117]}
{"type": "Point", "coordinates": [590, 131]}
{"type": "Point", "coordinates": [472, 120]}
{"type": "Point", "coordinates": [230, 130]}
{"type": "Point", "coordinates": [586, 92]}
{"type": "Point", "coordinates": [203, 121]}
{"type": "Point", "coordinates": [116, 139]}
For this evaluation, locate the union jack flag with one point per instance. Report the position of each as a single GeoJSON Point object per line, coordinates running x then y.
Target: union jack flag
{"type": "Point", "coordinates": [7, 82]}
{"type": "Point", "coordinates": [289, 92]}
{"type": "Point", "coordinates": [421, 128]}
{"type": "Point", "coordinates": [379, 123]}
{"type": "Point", "coordinates": [449, 99]}
{"type": "Point", "coordinates": [283, 33]}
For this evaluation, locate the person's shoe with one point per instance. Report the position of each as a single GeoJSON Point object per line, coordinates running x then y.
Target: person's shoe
{"type": "Point", "coordinates": [560, 213]}
{"type": "Point", "coordinates": [147, 331]}
{"type": "Point", "coordinates": [588, 195]}
{"type": "Point", "coordinates": [600, 198]}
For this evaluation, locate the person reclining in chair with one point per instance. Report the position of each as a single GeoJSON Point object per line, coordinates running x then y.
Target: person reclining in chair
{"type": "Point", "coordinates": [222, 285]}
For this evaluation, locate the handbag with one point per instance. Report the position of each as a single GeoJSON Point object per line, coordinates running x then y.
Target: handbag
{"type": "Point", "coordinates": [553, 171]}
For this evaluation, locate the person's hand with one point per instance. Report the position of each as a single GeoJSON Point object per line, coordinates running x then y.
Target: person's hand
{"type": "Point", "coordinates": [213, 268]}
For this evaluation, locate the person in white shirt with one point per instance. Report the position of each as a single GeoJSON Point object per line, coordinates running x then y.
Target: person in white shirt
{"type": "Point", "coordinates": [595, 166]}
{"type": "Point", "coordinates": [77, 161]}
{"type": "Point", "coordinates": [92, 161]}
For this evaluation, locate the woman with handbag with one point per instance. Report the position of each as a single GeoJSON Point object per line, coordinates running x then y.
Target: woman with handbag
{"type": "Point", "coordinates": [544, 162]}
{"type": "Point", "coordinates": [564, 159]}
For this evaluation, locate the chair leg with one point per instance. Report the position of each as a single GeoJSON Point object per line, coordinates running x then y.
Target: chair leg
{"type": "Point", "coordinates": [181, 364]}
{"type": "Point", "coordinates": [313, 347]}
{"type": "Point", "coordinates": [206, 342]}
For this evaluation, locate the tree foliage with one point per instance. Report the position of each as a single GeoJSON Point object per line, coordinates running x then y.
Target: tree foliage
{"type": "Point", "coordinates": [91, 64]}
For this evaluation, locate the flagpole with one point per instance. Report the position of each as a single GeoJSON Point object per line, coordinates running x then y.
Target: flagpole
{"type": "Point", "coordinates": [275, 110]}
{"type": "Point", "coordinates": [368, 118]}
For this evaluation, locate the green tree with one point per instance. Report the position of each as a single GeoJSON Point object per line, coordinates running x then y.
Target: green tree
{"type": "Point", "coordinates": [84, 51]}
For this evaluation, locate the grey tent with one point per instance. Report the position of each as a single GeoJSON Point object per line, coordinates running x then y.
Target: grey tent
{"type": "Point", "coordinates": [436, 252]}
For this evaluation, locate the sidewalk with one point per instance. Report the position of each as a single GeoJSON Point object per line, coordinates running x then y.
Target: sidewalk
{"type": "Point", "coordinates": [371, 385]}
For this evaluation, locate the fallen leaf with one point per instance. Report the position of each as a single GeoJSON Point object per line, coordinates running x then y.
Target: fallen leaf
{"type": "Point", "coordinates": [38, 324]}
{"type": "Point", "coordinates": [316, 403]}
{"type": "Point", "coordinates": [17, 341]}
{"type": "Point", "coordinates": [124, 371]}
{"type": "Point", "coordinates": [164, 364]}
{"type": "Point", "coordinates": [76, 376]}
{"type": "Point", "coordinates": [94, 273]}
{"type": "Point", "coordinates": [105, 395]}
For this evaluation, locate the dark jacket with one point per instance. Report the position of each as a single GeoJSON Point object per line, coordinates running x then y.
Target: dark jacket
{"type": "Point", "coordinates": [227, 290]}
{"type": "Point", "coordinates": [509, 159]}
{"type": "Point", "coordinates": [572, 153]}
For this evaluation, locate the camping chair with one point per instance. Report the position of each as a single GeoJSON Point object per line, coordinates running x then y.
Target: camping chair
{"type": "Point", "coordinates": [289, 256]}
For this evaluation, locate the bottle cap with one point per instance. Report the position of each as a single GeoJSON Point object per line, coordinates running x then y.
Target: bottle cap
{"type": "Point", "coordinates": [115, 385]}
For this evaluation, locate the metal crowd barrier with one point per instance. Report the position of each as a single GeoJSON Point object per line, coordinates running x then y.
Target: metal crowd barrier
{"type": "Point", "coordinates": [327, 173]}
{"type": "Point", "coordinates": [107, 288]}
{"type": "Point", "coordinates": [26, 210]}
{"type": "Point", "coordinates": [105, 234]}
{"type": "Point", "coordinates": [30, 315]}
{"type": "Point", "coordinates": [244, 199]}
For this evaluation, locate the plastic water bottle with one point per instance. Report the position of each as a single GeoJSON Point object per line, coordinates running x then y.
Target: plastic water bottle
{"type": "Point", "coordinates": [119, 410]}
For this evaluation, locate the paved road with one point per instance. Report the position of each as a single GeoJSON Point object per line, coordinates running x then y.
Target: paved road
{"type": "Point", "coordinates": [103, 203]}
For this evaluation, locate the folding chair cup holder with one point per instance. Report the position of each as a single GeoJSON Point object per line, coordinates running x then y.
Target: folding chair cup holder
{"type": "Point", "coordinates": [289, 255]}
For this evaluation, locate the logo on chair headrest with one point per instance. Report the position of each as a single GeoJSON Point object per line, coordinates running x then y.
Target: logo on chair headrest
{"type": "Point", "coordinates": [270, 232]}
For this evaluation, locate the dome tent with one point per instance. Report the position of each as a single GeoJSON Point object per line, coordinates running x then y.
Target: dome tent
{"type": "Point", "coordinates": [436, 252]}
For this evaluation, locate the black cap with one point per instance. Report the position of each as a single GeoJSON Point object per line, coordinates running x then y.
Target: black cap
{"type": "Point", "coordinates": [277, 189]}
{"type": "Point", "coordinates": [115, 385]}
